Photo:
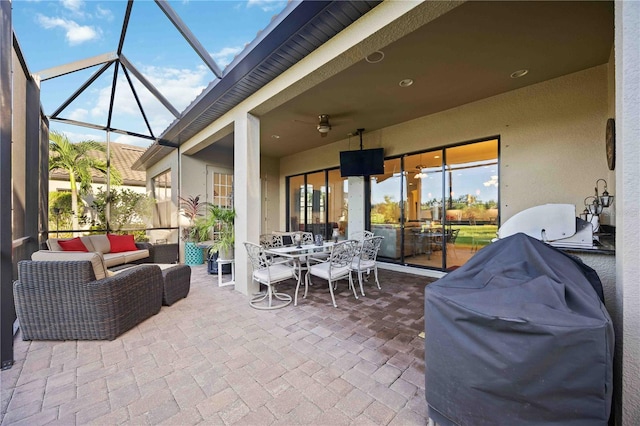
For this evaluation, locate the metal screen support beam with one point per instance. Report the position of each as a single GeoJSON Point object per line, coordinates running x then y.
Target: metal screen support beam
{"type": "Point", "coordinates": [189, 37]}
{"type": "Point", "coordinates": [82, 64]}
{"type": "Point", "coordinates": [150, 87]}
{"type": "Point", "coordinates": [7, 312]}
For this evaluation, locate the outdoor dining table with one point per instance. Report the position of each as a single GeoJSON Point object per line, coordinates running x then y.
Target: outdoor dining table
{"type": "Point", "coordinates": [300, 254]}
{"type": "Point", "coordinates": [432, 237]}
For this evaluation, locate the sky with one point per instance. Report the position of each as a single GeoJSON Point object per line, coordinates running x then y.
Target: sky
{"type": "Point", "coordinates": [54, 33]}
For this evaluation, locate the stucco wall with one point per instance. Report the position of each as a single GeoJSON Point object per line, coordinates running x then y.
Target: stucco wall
{"type": "Point", "coordinates": [627, 45]}
{"type": "Point", "coordinates": [269, 176]}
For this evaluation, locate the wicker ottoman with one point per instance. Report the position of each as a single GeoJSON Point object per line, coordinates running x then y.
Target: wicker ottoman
{"type": "Point", "coordinates": [177, 281]}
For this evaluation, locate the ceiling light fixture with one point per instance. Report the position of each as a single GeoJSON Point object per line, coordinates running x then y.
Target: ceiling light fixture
{"type": "Point", "coordinates": [375, 57]}
{"type": "Point", "coordinates": [406, 82]}
{"type": "Point", "coordinates": [422, 172]}
{"type": "Point", "coordinates": [519, 73]}
{"type": "Point", "coordinates": [323, 124]}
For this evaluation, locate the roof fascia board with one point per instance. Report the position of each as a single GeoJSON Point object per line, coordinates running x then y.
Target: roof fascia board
{"type": "Point", "coordinates": [296, 19]}
{"type": "Point", "coordinates": [82, 64]}
{"type": "Point", "coordinates": [189, 37]}
{"type": "Point", "coordinates": [150, 87]}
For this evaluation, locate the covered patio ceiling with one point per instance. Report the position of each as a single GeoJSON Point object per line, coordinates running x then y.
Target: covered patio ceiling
{"type": "Point", "coordinates": [465, 55]}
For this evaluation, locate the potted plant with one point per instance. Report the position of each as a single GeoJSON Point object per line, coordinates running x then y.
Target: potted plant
{"type": "Point", "coordinates": [192, 208]}
{"type": "Point", "coordinates": [220, 222]}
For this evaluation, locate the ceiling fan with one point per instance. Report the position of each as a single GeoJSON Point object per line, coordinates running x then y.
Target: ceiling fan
{"type": "Point", "coordinates": [323, 125]}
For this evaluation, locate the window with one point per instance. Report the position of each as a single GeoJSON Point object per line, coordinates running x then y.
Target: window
{"type": "Point", "coordinates": [161, 187]}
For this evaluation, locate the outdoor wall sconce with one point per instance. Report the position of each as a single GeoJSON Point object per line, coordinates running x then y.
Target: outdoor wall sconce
{"type": "Point", "coordinates": [605, 199]}
{"type": "Point", "coordinates": [593, 205]}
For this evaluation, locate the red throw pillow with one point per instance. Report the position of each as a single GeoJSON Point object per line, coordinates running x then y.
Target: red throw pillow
{"type": "Point", "coordinates": [74, 244]}
{"type": "Point", "coordinates": [120, 243]}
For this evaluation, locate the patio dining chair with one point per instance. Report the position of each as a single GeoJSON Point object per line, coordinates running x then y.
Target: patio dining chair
{"type": "Point", "coordinates": [268, 273]}
{"type": "Point", "coordinates": [451, 241]}
{"type": "Point", "coordinates": [365, 260]}
{"type": "Point", "coordinates": [360, 235]}
{"type": "Point", "coordinates": [337, 267]}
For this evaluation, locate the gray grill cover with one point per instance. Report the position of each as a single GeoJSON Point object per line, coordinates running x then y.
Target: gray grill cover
{"type": "Point", "coordinates": [518, 336]}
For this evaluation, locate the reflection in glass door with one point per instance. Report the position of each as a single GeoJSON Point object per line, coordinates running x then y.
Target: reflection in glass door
{"type": "Point", "coordinates": [387, 210]}
{"type": "Point", "coordinates": [471, 182]}
{"type": "Point", "coordinates": [424, 225]}
{"type": "Point", "coordinates": [437, 208]}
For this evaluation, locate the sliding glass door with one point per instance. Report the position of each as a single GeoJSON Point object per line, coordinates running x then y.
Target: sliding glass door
{"type": "Point", "coordinates": [318, 203]}
{"type": "Point", "coordinates": [437, 208]}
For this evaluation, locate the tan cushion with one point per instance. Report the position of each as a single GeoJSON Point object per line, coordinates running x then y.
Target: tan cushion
{"type": "Point", "coordinates": [88, 243]}
{"type": "Point", "coordinates": [113, 259]}
{"type": "Point", "coordinates": [96, 259]}
{"type": "Point", "coordinates": [52, 243]}
{"type": "Point", "coordinates": [101, 243]}
{"type": "Point", "coordinates": [130, 256]}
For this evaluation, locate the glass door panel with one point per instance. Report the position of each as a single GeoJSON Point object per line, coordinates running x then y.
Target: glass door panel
{"type": "Point", "coordinates": [423, 227]}
{"type": "Point", "coordinates": [338, 203]}
{"type": "Point", "coordinates": [387, 209]}
{"type": "Point", "coordinates": [316, 204]}
{"type": "Point", "coordinates": [297, 197]}
{"type": "Point", "coordinates": [472, 198]}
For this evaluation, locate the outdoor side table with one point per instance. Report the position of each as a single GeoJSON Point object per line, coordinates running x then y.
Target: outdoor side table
{"type": "Point", "coordinates": [231, 262]}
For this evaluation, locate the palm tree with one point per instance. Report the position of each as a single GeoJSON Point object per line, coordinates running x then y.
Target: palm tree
{"type": "Point", "coordinates": [75, 158]}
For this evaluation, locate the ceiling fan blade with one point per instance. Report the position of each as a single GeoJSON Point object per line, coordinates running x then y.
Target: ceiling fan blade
{"type": "Point", "coordinates": [304, 122]}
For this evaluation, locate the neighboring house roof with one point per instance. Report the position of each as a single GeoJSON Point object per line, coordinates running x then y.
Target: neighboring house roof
{"type": "Point", "coordinates": [122, 158]}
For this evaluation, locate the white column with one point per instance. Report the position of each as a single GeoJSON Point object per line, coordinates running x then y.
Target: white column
{"type": "Point", "coordinates": [246, 197]}
{"type": "Point", "coordinates": [356, 205]}
{"type": "Point", "coordinates": [627, 311]}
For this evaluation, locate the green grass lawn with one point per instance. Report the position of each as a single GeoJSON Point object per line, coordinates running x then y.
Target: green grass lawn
{"type": "Point", "coordinates": [481, 234]}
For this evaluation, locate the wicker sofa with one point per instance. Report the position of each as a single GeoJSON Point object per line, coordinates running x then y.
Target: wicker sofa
{"type": "Point", "coordinates": [100, 243]}
{"type": "Point", "coordinates": [64, 300]}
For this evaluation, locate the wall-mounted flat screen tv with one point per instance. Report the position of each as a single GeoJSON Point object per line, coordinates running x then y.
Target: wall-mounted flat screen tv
{"type": "Point", "coordinates": [364, 162]}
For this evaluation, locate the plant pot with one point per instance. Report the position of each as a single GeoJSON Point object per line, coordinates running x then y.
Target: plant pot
{"type": "Point", "coordinates": [193, 254]}
{"type": "Point", "coordinates": [226, 254]}
{"type": "Point", "coordinates": [212, 265]}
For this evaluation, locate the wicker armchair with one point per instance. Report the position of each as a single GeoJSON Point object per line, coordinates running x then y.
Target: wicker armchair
{"type": "Point", "coordinates": [62, 300]}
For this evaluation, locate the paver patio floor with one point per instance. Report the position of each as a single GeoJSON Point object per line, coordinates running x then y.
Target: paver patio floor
{"type": "Point", "coordinates": [212, 359]}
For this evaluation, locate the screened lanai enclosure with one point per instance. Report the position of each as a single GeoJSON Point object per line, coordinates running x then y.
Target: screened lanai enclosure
{"type": "Point", "coordinates": [503, 109]}
{"type": "Point", "coordinates": [139, 120]}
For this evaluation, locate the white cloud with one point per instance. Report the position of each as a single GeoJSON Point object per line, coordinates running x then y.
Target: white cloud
{"type": "Point", "coordinates": [79, 137]}
{"type": "Point", "coordinates": [105, 14]}
{"type": "Point", "coordinates": [75, 33]}
{"type": "Point", "coordinates": [267, 5]}
{"type": "Point", "coordinates": [79, 114]}
{"type": "Point", "coordinates": [224, 56]}
{"type": "Point", "coordinates": [73, 5]}
{"type": "Point", "coordinates": [179, 86]}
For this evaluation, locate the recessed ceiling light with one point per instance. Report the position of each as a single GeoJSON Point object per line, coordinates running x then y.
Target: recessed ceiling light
{"type": "Point", "coordinates": [275, 136]}
{"type": "Point", "coordinates": [519, 73]}
{"type": "Point", "coordinates": [375, 57]}
{"type": "Point", "coordinates": [406, 82]}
